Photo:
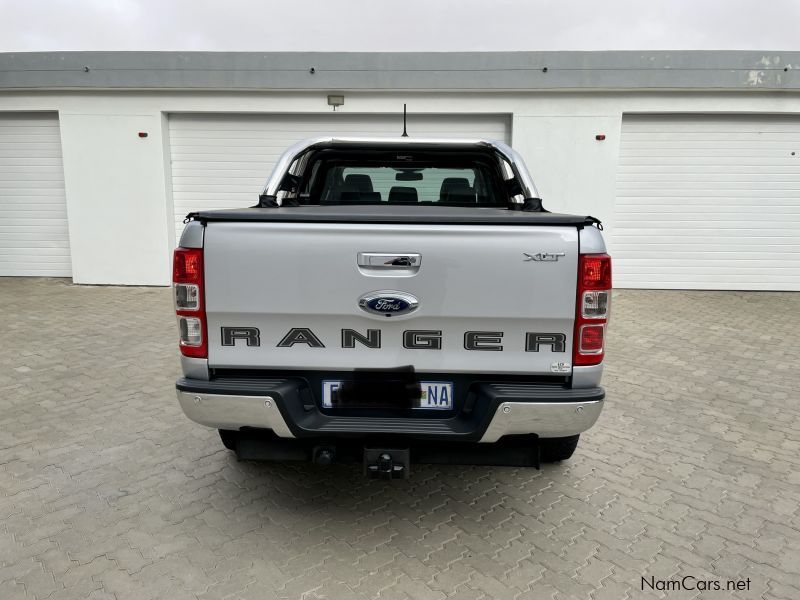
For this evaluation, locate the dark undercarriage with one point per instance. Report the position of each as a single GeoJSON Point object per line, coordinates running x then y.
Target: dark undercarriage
{"type": "Point", "coordinates": [388, 435]}
{"type": "Point", "coordinates": [390, 457]}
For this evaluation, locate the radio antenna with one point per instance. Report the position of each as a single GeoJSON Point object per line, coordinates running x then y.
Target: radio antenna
{"type": "Point", "coordinates": [405, 133]}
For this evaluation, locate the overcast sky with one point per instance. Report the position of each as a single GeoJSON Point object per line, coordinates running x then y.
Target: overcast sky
{"type": "Point", "coordinates": [393, 25]}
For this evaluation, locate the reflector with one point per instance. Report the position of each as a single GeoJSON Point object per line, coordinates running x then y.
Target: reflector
{"type": "Point", "coordinates": [591, 339]}
{"type": "Point", "coordinates": [191, 329]}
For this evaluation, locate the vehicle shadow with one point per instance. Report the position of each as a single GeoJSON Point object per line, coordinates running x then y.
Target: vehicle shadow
{"type": "Point", "coordinates": [342, 492]}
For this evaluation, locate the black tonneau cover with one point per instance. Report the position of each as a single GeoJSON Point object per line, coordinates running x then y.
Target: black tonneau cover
{"type": "Point", "coordinates": [444, 215]}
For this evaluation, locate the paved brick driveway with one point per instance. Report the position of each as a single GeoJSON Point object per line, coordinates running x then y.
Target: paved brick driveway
{"type": "Point", "coordinates": [107, 491]}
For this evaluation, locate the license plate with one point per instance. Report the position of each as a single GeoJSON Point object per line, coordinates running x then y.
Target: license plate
{"type": "Point", "coordinates": [436, 395]}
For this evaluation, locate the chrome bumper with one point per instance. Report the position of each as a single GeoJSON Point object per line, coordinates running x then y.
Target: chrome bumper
{"type": "Point", "coordinates": [223, 411]}
{"type": "Point", "coordinates": [546, 419]}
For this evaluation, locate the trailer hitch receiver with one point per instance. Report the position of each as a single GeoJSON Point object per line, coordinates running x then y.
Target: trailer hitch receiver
{"type": "Point", "coordinates": [387, 463]}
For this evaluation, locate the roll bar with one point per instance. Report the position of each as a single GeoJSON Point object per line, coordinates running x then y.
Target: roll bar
{"type": "Point", "coordinates": [297, 150]}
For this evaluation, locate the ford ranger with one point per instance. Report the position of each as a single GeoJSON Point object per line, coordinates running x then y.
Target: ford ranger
{"type": "Point", "coordinates": [392, 301]}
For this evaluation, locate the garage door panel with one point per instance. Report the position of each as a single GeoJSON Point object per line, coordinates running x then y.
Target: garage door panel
{"type": "Point", "coordinates": [16, 162]}
{"type": "Point", "coordinates": [19, 204]}
{"type": "Point", "coordinates": [730, 228]}
{"type": "Point", "coordinates": [694, 152]}
{"type": "Point", "coordinates": [695, 170]}
{"type": "Point", "coordinates": [223, 161]}
{"type": "Point", "coordinates": [291, 122]}
{"type": "Point", "coordinates": [34, 237]}
{"type": "Point", "coordinates": [716, 123]}
{"type": "Point", "coordinates": [757, 147]}
{"type": "Point", "coordinates": [28, 213]}
{"type": "Point", "coordinates": [203, 158]}
{"type": "Point", "coordinates": [17, 178]}
{"type": "Point", "coordinates": [703, 173]}
{"type": "Point", "coordinates": [28, 153]}
{"type": "Point", "coordinates": [39, 255]}
{"type": "Point", "coordinates": [703, 162]}
{"type": "Point", "coordinates": [708, 202]}
{"type": "Point", "coordinates": [195, 144]}
{"type": "Point", "coordinates": [192, 174]}
{"type": "Point", "coordinates": [719, 198]}
{"type": "Point", "coordinates": [200, 160]}
{"type": "Point", "coordinates": [699, 276]}
{"type": "Point", "coordinates": [205, 150]}
{"type": "Point", "coordinates": [694, 221]}
{"type": "Point", "coordinates": [20, 247]}
{"type": "Point", "coordinates": [40, 231]}
{"type": "Point", "coordinates": [629, 251]}
{"type": "Point", "coordinates": [711, 211]}
{"type": "Point", "coordinates": [721, 266]}
{"type": "Point", "coordinates": [691, 236]}
{"type": "Point", "coordinates": [733, 137]}
{"type": "Point", "coordinates": [677, 254]}
{"type": "Point", "coordinates": [24, 223]}
{"type": "Point", "coordinates": [715, 187]}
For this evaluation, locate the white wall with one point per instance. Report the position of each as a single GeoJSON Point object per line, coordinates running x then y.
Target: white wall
{"type": "Point", "coordinates": [119, 203]}
{"type": "Point", "coordinates": [574, 172]}
{"type": "Point", "coordinates": [116, 198]}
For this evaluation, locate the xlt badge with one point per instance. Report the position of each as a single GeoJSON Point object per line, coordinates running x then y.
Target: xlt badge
{"type": "Point", "coordinates": [543, 256]}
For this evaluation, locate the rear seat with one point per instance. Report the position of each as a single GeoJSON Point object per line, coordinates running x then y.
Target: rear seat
{"type": "Point", "coordinates": [359, 197]}
{"type": "Point", "coordinates": [356, 189]}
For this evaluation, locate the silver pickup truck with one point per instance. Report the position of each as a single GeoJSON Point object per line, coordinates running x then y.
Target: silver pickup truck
{"type": "Point", "coordinates": [392, 301]}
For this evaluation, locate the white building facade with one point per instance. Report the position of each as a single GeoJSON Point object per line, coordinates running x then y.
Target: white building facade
{"type": "Point", "coordinates": [690, 159]}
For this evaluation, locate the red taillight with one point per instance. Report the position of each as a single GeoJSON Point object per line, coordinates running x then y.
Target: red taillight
{"type": "Point", "coordinates": [592, 308]}
{"type": "Point", "coordinates": [595, 272]}
{"type": "Point", "coordinates": [187, 266]}
{"type": "Point", "coordinates": [189, 296]}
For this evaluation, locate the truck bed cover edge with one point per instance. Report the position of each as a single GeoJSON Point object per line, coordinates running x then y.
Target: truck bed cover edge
{"type": "Point", "coordinates": [438, 215]}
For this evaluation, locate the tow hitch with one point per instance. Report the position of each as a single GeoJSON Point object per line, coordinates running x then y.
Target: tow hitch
{"type": "Point", "coordinates": [387, 463]}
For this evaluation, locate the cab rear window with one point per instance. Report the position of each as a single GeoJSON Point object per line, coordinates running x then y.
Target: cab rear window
{"type": "Point", "coordinates": [406, 180]}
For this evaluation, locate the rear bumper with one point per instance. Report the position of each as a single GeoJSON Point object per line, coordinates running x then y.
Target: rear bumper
{"type": "Point", "coordinates": [285, 407]}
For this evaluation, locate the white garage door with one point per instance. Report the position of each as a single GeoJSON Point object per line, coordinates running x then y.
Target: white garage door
{"type": "Point", "coordinates": [708, 202]}
{"type": "Point", "coordinates": [223, 161]}
{"type": "Point", "coordinates": [33, 209]}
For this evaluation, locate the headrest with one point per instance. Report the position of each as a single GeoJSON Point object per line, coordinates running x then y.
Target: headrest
{"type": "Point", "coordinates": [453, 184]}
{"type": "Point", "coordinates": [403, 195]}
{"type": "Point", "coordinates": [358, 182]}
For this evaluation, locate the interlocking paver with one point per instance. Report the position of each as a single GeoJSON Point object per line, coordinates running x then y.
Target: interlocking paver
{"type": "Point", "coordinates": [108, 491]}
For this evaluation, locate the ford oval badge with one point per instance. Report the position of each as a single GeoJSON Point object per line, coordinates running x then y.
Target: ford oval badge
{"type": "Point", "coordinates": [388, 303]}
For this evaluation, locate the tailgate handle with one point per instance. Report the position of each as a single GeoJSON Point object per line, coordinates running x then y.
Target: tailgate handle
{"type": "Point", "coordinates": [375, 260]}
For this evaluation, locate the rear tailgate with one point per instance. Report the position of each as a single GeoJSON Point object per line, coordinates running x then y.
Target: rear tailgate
{"type": "Point", "coordinates": [284, 276]}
